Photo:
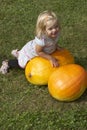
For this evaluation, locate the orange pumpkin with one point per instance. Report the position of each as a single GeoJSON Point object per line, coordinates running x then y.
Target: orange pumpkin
{"type": "Point", "coordinates": [67, 83]}
{"type": "Point", "coordinates": [64, 57]}
{"type": "Point", "coordinates": [86, 78]}
{"type": "Point", "coordinates": [38, 70]}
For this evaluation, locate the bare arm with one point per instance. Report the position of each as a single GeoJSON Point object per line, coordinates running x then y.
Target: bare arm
{"type": "Point", "coordinates": [59, 48]}
{"type": "Point", "coordinates": [39, 51]}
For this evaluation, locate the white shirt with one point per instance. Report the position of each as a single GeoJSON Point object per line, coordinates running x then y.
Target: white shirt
{"type": "Point", "coordinates": [28, 51]}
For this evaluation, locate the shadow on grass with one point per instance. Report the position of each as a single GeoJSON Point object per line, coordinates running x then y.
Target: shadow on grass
{"type": "Point", "coordinates": [83, 98]}
{"type": "Point", "coordinates": [81, 61]}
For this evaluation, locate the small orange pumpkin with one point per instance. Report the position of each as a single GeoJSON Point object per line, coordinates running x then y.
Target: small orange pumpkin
{"type": "Point", "coordinates": [38, 70]}
{"type": "Point", "coordinates": [64, 57]}
{"type": "Point", "coordinates": [68, 82]}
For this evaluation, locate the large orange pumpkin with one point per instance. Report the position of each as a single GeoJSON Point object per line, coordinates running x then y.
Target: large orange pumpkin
{"type": "Point", "coordinates": [38, 70]}
{"type": "Point", "coordinates": [86, 78]}
{"type": "Point", "coordinates": [67, 83]}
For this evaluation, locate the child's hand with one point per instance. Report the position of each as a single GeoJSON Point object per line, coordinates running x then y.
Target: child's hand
{"type": "Point", "coordinates": [59, 48]}
{"type": "Point", "coordinates": [54, 62]}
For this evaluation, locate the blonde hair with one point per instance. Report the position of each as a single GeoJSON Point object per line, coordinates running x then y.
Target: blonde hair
{"type": "Point", "coordinates": [42, 20]}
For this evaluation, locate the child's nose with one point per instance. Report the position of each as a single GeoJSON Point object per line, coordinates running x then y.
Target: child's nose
{"type": "Point", "coordinates": [54, 30]}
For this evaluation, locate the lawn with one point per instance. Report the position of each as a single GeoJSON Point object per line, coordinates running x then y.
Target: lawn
{"type": "Point", "coordinates": [24, 106]}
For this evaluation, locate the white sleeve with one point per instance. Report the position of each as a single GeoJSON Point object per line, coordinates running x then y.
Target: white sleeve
{"type": "Point", "coordinates": [40, 41]}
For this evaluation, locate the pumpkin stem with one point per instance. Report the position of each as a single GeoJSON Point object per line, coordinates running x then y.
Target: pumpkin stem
{"type": "Point", "coordinates": [30, 75]}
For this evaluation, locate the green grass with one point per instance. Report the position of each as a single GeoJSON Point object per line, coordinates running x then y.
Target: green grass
{"type": "Point", "coordinates": [24, 106]}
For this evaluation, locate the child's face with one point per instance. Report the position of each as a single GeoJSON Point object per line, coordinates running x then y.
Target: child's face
{"type": "Point", "coordinates": [52, 29]}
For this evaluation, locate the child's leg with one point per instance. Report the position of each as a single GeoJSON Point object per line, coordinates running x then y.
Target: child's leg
{"type": "Point", "coordinates": [7, 64]}
{"type": "Point", "coordinates": [13, 63]}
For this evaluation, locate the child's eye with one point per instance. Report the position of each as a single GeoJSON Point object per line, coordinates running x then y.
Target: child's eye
{"type": "Point", "coordinates": [56, 26]}
{"type": "Point", "coordinates": [50, 29]}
